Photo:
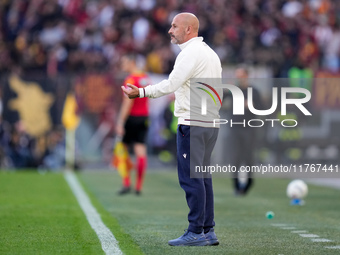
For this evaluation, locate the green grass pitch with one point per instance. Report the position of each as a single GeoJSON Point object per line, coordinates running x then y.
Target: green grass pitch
{"type": "Point", "coordinates": [40, 215]}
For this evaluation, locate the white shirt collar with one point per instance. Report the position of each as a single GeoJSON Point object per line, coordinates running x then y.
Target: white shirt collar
{"type": "Point", "coordinates": [183, 45]}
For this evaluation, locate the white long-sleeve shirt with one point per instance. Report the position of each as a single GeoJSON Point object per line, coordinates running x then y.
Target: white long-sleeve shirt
{"type": "Point", "coordinates": [196, 62]}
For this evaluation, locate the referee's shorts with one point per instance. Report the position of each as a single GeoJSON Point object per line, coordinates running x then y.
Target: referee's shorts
{"type": "Point", "coordinates": [136, 128]}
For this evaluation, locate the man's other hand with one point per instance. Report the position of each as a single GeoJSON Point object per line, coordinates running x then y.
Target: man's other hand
{"type": "Point", "coordinates": [131, 91]}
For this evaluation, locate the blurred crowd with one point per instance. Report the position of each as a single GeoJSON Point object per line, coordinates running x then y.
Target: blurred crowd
{"type": "Point", "coordinates": [20, 150]}
{"type": "Point", "coordinates": [58, 36]}
{"type": "Point", "coordinates": [74, 36]}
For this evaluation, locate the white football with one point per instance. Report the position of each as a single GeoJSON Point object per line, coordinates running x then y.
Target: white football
{"type": "Point", "coordinates": [297, 189]}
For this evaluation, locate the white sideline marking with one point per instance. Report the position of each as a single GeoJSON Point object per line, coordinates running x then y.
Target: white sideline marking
{"type": "Point", "coordinates": [279, 225]}
{"type": "Point", "coordinates": [107, 239]}
{"type": "Point", "coordinates": [321, 240]}
{"type": "Point", "coordinates": [315, 238]}
{"type": "Point", "coordinates": [333, 247]}
{"type": "Point", "coordinates": [308, 235]}
{"type": "Point", "coordinates": [288, 227]}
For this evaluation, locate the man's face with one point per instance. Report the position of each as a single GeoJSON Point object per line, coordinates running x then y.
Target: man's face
{"type": "Point", "coordinates": [177, 31]}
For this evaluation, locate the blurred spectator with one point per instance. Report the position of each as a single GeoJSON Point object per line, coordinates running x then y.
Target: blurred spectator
{"type": "Point", "coordinates": [20, 148]}
{"type": "Point", "coordinates": [4, 143]}
{"type": "Point", "coordinates": [295, 38]}
{"type": "Point", "coordinates": [2, 136]}
{"type": "Point", "coordinates": [331, 60]}
{"type": "Point", "coordinates": [291, 8]}
{"type": "Point", "coordinates": [323, 33]}
{"type": "Point", "coordinates": [242, 137]}
{"type": "Point", "coordinates": [54, 158]}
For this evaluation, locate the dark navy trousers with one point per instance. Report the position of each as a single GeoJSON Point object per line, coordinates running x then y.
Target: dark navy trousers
{"type": "Point", "coordinates": [194, 148]}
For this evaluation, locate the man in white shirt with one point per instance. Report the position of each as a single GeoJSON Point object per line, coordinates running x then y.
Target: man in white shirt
{"type": "Point", "coordinates": [197, 132]}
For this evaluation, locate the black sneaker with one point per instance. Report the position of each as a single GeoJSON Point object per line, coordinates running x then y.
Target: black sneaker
{"type": "Point", "coordinates": [138, 192]}
{"type": "Point", "coordinates": [124, 190]}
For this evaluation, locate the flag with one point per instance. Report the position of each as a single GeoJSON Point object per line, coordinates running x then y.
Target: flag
{"type": "Point", "coordinates": [121, 160]}
{"type": "Point", "coordinates": [69, 118]}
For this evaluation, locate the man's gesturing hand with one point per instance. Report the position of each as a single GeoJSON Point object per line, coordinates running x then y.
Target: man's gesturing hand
{"type": "Point", "coordinates": [132, 91]}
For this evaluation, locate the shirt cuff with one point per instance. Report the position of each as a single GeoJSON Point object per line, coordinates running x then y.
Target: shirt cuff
{"type": "Point", "coordinates": [141, 92]}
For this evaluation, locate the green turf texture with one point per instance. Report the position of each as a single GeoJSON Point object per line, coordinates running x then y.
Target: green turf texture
{"type": "Point", "coordinates": [160, 214]}
{"type": "Point", "coordinates": [40, 215]}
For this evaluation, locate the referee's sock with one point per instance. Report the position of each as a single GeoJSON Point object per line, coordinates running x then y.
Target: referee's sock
{"type": "Point", "coordinates": [141, 168]}
{"type": "Point", "coordinates": [126, 182]}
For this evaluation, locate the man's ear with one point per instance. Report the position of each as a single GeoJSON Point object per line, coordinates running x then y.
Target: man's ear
{"type": "Point", "coordinates": [188, 29]}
